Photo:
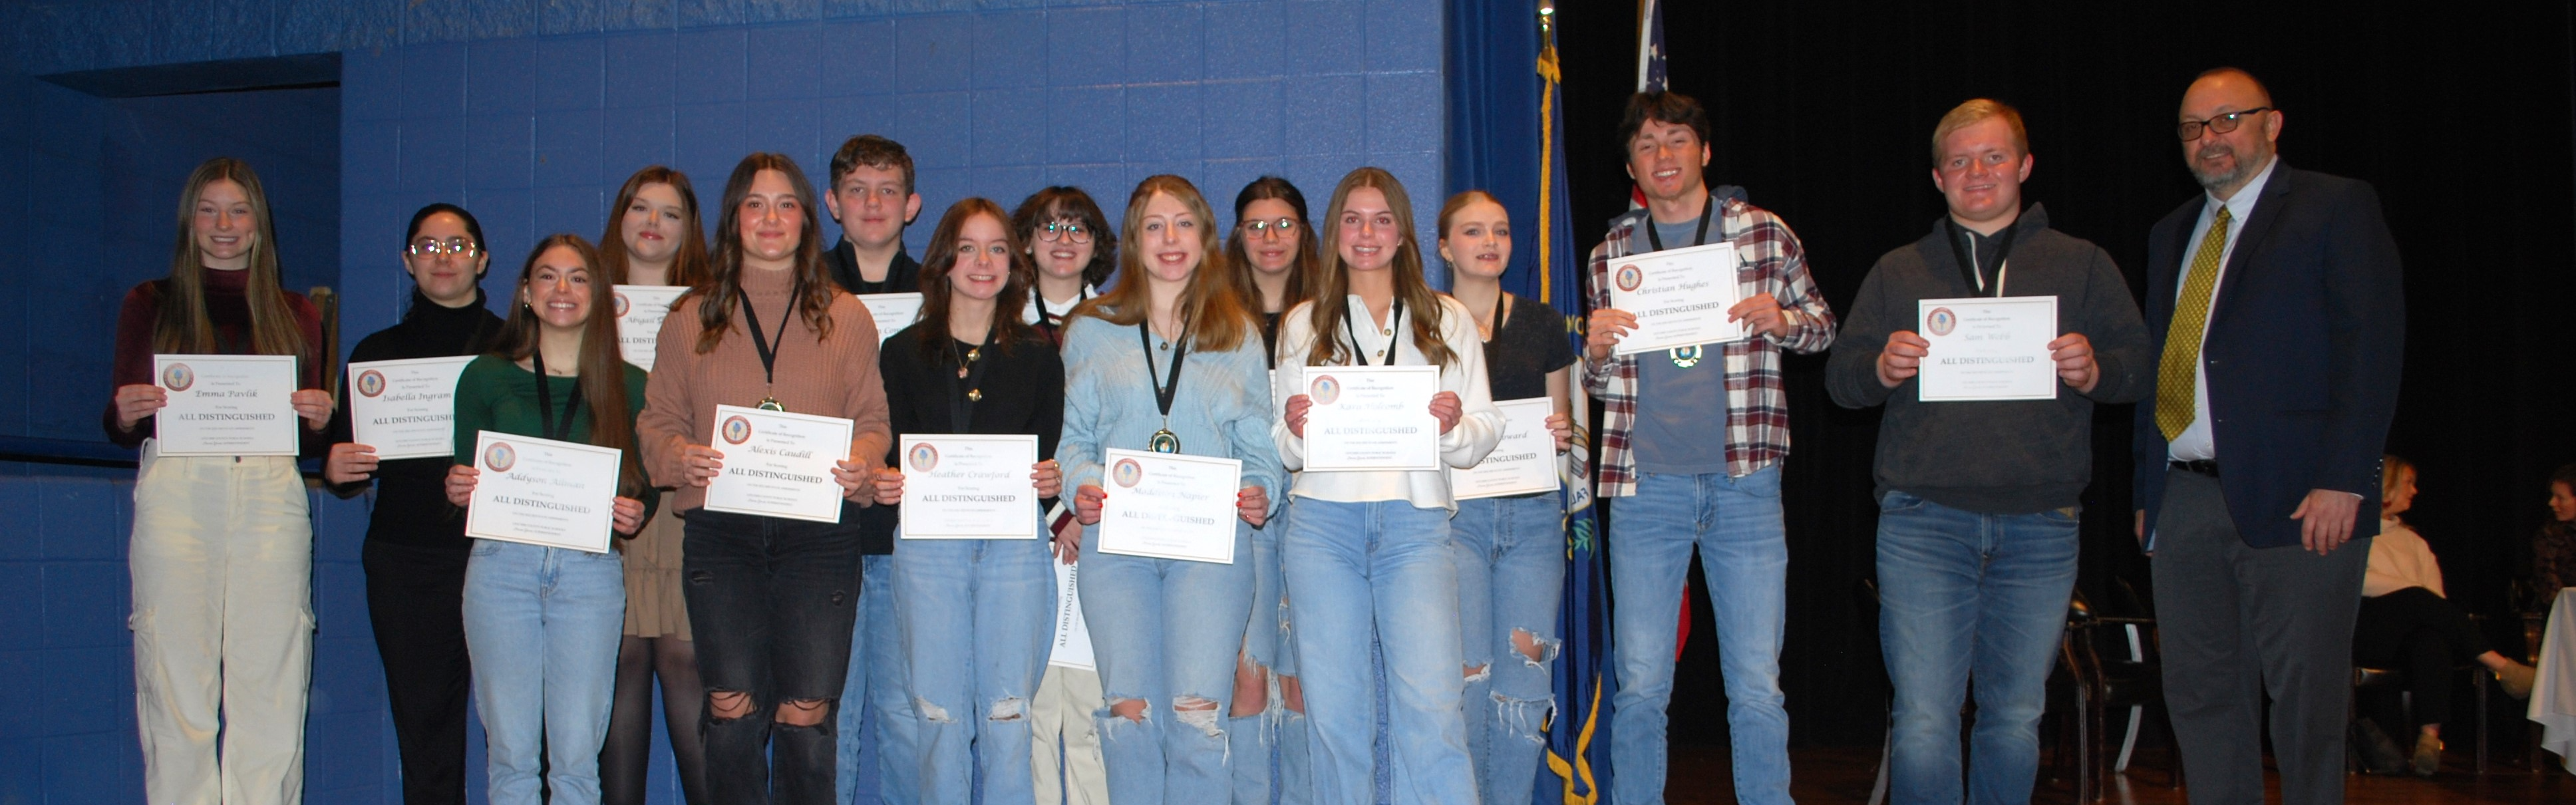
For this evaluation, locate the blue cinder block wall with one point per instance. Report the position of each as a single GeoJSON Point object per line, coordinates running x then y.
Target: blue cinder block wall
{"type": "Point", "coordinates": [530, 114]}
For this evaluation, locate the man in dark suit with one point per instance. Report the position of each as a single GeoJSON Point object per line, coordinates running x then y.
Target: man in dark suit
{"type": "Point", "coordinates": [2275, 304]}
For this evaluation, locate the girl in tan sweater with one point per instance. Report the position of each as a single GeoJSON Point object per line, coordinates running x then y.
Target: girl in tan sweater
{"type": "Point", "coordinates": [771, 599]}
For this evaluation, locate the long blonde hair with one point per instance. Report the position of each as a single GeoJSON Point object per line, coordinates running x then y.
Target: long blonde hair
{"type": "Point", "coordinates": [183, 326]}
{"type": "Point", "coordinates": [1410, 288]}
{"type": "Point", "coordinates": [1216, 318]}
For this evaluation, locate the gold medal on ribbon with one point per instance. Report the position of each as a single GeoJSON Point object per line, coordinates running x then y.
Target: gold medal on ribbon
{"type": "Point", "coordinates": [1686, 357]}
{"type": "Point", "coordinates": [1164, 441]}
{"type": "Point", "coordinates": [771, 404]}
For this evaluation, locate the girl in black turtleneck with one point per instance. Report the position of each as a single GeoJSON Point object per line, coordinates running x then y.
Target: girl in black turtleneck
{"type": "Point", "coordinates": [415, 549]}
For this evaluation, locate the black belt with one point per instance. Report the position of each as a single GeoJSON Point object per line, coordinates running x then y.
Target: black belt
{"type": "Point", "coordinates": [2205, 466]}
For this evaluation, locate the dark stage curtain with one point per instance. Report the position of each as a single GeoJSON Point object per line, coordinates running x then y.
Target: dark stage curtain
{"type": "Point", "coordinates": [2460, 115]}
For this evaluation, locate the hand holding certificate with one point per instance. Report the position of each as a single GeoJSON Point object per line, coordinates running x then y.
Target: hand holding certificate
{"type": "Point", "coordinates": [1371, 418]}
{"type": "Point", "coordinates": [1679, 296]}
{"type": "Point", "coordinates": [1169, 506]}
{"type": "Point", "coordinates": [542, 492]}
{"type": "Point", "coordinates": [1522, 463]}
{"type": "Point", "coordinates": [640, 311]}
{"type": "Point", "coordinates": [892, 311]}
{"type": "Point", "coordinates": [226, 405]}
{"type": "Point", "coordinates": [405, 408]}
{"type": "Point", "coordinates": [778, 464]}
{"type": "Point", "coordinates": [1988, 349]}
{"type": "Point", "coordinates": [962, 486]}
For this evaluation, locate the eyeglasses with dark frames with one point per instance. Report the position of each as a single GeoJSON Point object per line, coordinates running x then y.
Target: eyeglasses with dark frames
{"type": "Point", "coordinates": [2190, 129]}
{"type": "Point", "coordinates": [1064, 230]}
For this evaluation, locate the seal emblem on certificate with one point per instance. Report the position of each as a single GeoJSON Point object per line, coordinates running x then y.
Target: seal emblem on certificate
{"type": "Point", "coordinates": [371, 383]}
{"type": "Point", "coordinates": [178, 377]}
{"type": "Point", "coordinates": [737, 430]}
{"type": "Point", "coordinates": [1127, 472]}
{"type": "Point", "coordinates": [925, 457]}
{"type": "Point", "coordinates": [500, 457]}
{"type": "Point", "coordinates": [1940, 321]}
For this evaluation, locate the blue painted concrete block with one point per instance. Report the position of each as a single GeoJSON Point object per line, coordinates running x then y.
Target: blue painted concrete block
{"type": "Point", "coordinates": [208, 30]}
{"type": "Point", "coordinates": [568, 148]}
{"type": "Point", "coordinates": [844, 118]}
{"type": "Point", "coordinates": [1326, 36]}
{"type": "Point", "coordinates": [1163, 122]}
{"type": "Point", "coordinates": [78, 517]}
{"type": "Point", "coordinates": [1010, 127]}
{"type": "Point", "coordinates": [371, 85]}
{"type": "Point", "coordinates": [934, 53]}
{"type": "Point", "coordinates": [1165, 43]}
{"type": "Point", "coordinates": [570, 73]}
{"type": "Point", "coordinates": [580, 210]}
{"type": "Point", "coordinates": [637, 69]}
{"type": "Point", "coordinates": [783, 62]}
{"type": "Point", "coordinates": [433, 155]}
{"type": "Point", "coordinates": [707, 140]}
{"type": "Point", "coordinates": [86, 604]}
{"type": "Point", "coordinates": [633, 138]}
{"type": "Point", "coordinates": [1318, 114]}
{"type": "Point", "coordinates": [857, 58]}
{"type": "Point", "coordinates": [499, 152]}
{"type": "Point", "coordinates": [433, 81]}
{"type": "Point", "coordinates": [1086, 46]}
{"type": "Point", "coordinates": [792, 127]}
{"type": "Point", "coordinates": [1086, 124]}
{"type": "Point", "coordinates": [1243, 119]}
{"type": "Point", "coordinates": [1404, 112]}
{"type": "Point", "coordinates": [1251, 39]}
{"type": "Point", "coordinates": [707, 67]}
{"type": "Point", "coordinates": [1403, 35]}
{"type": "Point", "coordinates": [1010, 49]}
{"type": "Point", "coordinates": [936, 127]}
{"type": "Point", "coordinates": [558, 17]}
{"type": "Point", "coordinates": [22, 595]}
{"type": "Point", "coordinates": [321, 26]}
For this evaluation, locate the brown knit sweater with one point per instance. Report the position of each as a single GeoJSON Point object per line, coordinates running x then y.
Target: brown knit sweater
{"type": "Point", "coordinates": [835, 376]}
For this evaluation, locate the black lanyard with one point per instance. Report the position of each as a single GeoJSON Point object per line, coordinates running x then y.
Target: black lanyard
{"type": "Point", "coordinates": [1048, 321]}
{"type": "Point", "coordinates": [751, 321]}
{"type": "Point", "coordinates": [1164, 390]}
{"type": "Point", "coordinates": [1394, 322]}
{"type": "Point", "coordinates": [546, 420]}
{"type": "Point", "coordinates": [970, 369]}
{"type": "Point", "coordinates": [1967, 257]}
{"type": "Point", "coordinates": [1697, 238]}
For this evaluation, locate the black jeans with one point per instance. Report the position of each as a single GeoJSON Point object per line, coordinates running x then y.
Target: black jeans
{"type": "Point", "coordinates": [773, 601]}
{"type": "Point", "coordinates": [2423, 634]}
{"type": "Point", "coordinates": [416, 604]}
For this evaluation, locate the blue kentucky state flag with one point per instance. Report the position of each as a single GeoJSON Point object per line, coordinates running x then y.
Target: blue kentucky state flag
{"type": "Point", "coordinates": [1578, 745]}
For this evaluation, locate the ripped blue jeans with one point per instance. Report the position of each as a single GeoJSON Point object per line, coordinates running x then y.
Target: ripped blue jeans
{"type": "Point", "coordinates": [1511, 572]}
{"type": "Point", "coordinates": [1165, 632]}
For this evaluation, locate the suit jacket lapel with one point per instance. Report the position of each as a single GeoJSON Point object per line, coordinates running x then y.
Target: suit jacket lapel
{"type": "Point", "coordinates": [2267, 216]}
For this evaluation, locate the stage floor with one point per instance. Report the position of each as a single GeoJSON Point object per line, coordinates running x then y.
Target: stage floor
{"type": "Point", "coordinates": [1822, 776]}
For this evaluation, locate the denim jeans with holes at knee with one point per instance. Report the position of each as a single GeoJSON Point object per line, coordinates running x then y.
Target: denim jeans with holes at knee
{"type": "Point", "coordinates": [1511, 572]}
{"type": "Point", "coordinates": [1166, 632]}
{"type": "Point", "coordinates": [774, 600]}
{"type": "Point", "coordinates": [978, 616]}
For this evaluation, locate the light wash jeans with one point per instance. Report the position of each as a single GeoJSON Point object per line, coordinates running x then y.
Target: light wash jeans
{"type": "Point", "coordinates": [1966, 595]}
{"type": "Point", "coordinates": [542, 625]}
{"type": "Point", "coordinates": [1166, 631]}
{"type": "Point", "coordinates": [1511, 573]}
{"type": "Point", "coordinates": [877, 692]}
{"type": "Point", "coordinates": [977, 619]}
{"type": "Point", "coordinates": [1351, 568]}
{"type": "Point", "coordinates": [1736, 526]}
{"type": "Point", "coordinates": [1275, 733]}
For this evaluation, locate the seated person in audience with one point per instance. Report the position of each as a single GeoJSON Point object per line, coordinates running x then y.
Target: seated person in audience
{"type": "Point", "coordinates": [2553, 550]}
{"type": "Point", "coordinates": [2406, 622]}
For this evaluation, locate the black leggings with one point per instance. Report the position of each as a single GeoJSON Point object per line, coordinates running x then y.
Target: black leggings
{"type": "Point", "coordinates": [628, 752]}
{"type": "Point", "coordinates": [413, 604]}
{"type": "Point", "coordinates": [2423, 634]}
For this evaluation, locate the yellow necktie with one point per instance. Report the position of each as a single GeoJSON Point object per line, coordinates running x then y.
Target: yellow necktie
{"type": "Point", "coordinates": [2176, 373]}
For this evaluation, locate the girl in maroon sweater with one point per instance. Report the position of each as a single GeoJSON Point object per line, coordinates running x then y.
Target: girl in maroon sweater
{"type": "Point", "coordinates": [222, 551]}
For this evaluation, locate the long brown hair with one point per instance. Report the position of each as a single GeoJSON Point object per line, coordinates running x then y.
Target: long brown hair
{"type": "Point", "coordinates": [1410, 288]}
{"type": "Point", "coordinates": [1304, 275]}
{"type": "Point", "coordinates": [722, 291]}
{"type": "Point", "coordinates": [1007, 327]}
{"type": "Point", "coordinates": [602, 371]}
{"type": "Point", "coordinates": [689, 264]}
{"type": "Point", "coordinates": [183, 326]}
{"type": "Point", "coordinates": [1209, 308]}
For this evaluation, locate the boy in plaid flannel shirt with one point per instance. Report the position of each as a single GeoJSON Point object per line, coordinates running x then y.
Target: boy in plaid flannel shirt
{"type": "Point", "coordinates": [1691, 444]}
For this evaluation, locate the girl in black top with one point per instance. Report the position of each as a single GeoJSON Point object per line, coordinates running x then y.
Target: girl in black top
{"type": "Point", "coordinates": [977, 614]}
{"type": "Point", "coordinates": [414, 555]}
{"type": "Point", "coordinates": [1510, 551]}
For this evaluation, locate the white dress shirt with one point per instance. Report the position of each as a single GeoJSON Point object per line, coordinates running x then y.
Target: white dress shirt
{"type": "Point", "coordinates": [1480, 424]}
{"type": "Point", "coordinates": [2195, 443]}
